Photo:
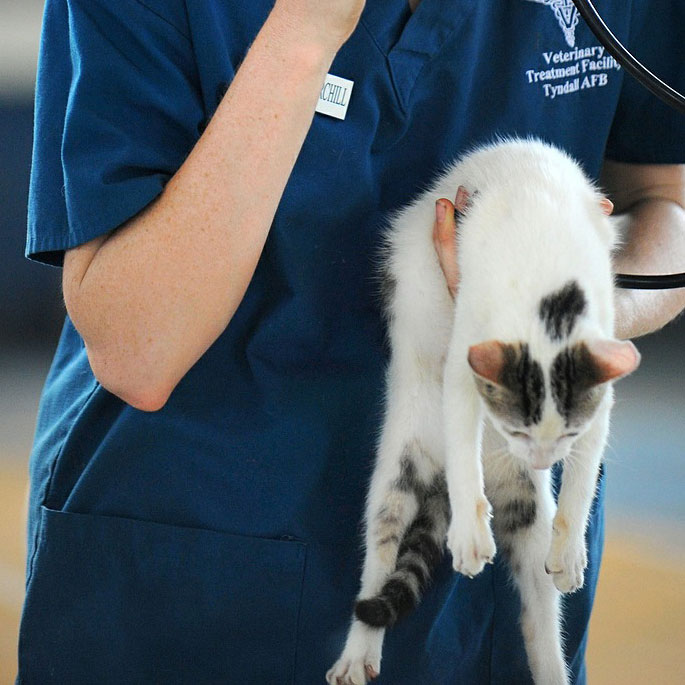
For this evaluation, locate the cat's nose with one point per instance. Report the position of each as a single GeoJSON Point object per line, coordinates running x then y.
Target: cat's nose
{"type": "Point", "coordinates": [541, 458]}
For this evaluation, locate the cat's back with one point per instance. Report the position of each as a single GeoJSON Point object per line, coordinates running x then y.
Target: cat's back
{"type": "Point", "coordinates": [535, 224]}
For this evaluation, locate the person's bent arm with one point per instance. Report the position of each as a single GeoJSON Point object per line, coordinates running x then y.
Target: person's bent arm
{"type": "Point", "coordinates": [152, 296]}
{"type": "Point", "coordinates": [652, 198]}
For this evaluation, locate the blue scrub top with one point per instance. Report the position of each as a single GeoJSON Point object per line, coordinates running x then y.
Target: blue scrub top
{"type": "Point", "coordinates": [218, 540]}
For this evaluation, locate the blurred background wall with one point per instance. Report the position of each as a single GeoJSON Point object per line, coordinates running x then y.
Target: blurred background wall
{"type": "Point", "coordinates": [638, 629]}
{"type": "Point", "coordinates": [31, 309]}
{"type": "Point", "coordinates": [30, 302]}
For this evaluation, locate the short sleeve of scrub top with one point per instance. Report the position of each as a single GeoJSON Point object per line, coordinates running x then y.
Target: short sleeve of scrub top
{"type": "Point", "coordinates": [117, 110]}
{"type": "Point", "coordinates": [218, 539]}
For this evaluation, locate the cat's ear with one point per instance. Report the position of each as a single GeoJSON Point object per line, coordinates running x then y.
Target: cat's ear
{"type": "Point", "coordinates": [613, 359]}
{"type": "Point", "coordinates": [464, 199]}
{"type": "Point", "coordinates": [607, 206]}
{"type": "Point", "coordinates": [487, 359]}
{"type": "Point", "coordinates": [461, 201]}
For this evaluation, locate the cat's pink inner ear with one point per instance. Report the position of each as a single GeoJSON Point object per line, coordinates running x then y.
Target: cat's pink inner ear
{"type": "Point", "coordinates": [461, 201]}
{"type": "Point", "coordinates": [607, 206]}
{"type": "Point", "coordinates": [614, 358]}
{"type": "Point", "coordinates": [486, 359]}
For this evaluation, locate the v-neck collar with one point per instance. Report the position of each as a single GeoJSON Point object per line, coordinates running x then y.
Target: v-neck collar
{"type": "Point", "coordinates": [409, 39]}
{"type": "Point", "coordinates": [396, 28]}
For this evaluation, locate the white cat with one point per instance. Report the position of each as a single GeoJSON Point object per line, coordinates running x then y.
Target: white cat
{"type": "Point", "coordinates": [527, 353]}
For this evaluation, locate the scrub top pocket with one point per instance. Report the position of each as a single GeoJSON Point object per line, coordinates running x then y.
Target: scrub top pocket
{"type": "Point", "coordinates": [117, 600]}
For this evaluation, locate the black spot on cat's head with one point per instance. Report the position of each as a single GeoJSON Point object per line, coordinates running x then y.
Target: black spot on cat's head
{"type": "Point", "coordinates": [560, 310]}
{"type": "Point", "coordinates": [574, 378]}
{"type": "Point", "coordinates": [519, 393]}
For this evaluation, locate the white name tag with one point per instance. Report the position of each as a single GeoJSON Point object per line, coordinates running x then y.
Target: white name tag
{"type": "Point", "coordinates": [335, 96]}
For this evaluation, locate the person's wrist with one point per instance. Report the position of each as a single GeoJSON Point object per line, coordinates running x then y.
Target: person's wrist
{"type": "Point", "coordinates": [624, 313]}
{"type": "Point", "coordinates": [300, 38]}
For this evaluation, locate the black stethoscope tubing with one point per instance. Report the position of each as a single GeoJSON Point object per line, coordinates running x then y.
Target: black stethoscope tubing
{"type": "Point", "coordinates": [635, 68]}
{"type": "Point", "coordinates": [663, 91]}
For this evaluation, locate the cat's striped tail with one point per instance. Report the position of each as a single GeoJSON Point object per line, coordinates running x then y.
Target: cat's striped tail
{"type": "Point", "coordinates": [419, 553]}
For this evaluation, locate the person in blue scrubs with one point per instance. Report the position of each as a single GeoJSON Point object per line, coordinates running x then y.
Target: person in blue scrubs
{"type": "Point", "coordinates": [207, 428]}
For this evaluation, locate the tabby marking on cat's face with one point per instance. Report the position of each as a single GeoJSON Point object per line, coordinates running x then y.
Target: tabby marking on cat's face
{"type": "Point", "coordinates": [513, 388]}
{"type": "Point", "coordinates": [575, 381]}
{"type": "Point", "coordinates": [518, 393]}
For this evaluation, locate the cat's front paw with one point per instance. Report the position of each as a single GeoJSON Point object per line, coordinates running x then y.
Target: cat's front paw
{"type": "Point", "coordinates": [567, 560]}
{"type": "Point", "coordinates": [470, 539]}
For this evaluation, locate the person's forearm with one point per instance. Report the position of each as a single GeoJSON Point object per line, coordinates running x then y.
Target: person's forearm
{"type": "Point", "coordinates": [160, 290]}
{"type": "Point", "coordinates": [654, 243]}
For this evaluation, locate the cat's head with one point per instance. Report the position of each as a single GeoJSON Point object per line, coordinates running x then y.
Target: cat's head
{"type": "Point", "coordinates": [542, 409]}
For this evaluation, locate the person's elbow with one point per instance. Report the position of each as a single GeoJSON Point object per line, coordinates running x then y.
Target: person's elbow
{"type": "Point", "coordinates": [141, 385]}
{"type": "Point", "coordinates": [123, 359]}
{"type": "Point", "coordinates": [119, 346]}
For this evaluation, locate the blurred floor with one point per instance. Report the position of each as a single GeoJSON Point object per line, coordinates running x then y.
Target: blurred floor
{"type": "Point", "coordinates": [21, 377]}
{"type": "Point", "coordinates": [637, 634]}
{"type": "Point", "coordinates": [12, 492]}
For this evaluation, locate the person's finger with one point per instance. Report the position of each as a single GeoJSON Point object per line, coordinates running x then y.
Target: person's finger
{"type": "Point", "coordinates": [444, 239]}
{"type": "Point", "coordinates": [444, 226]}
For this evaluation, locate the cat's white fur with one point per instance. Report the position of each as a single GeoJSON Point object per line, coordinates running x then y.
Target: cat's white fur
{"type": "Point", "coordinates": [535, 224]}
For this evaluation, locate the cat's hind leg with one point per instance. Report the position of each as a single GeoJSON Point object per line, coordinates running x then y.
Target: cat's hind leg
{"type": "Point", "coordinates": [420, 549]}
{"type": "Point", "coordinates": [406, 520]}
{"type": "Point", "coordinates": [406, 505]}
{"type": "Point", "coordinates": [393, 503]}
{"type": "Point", "coordinates": [418, 554]}
{"type": "Point", "coordinates": [361, 658]}
{"type": "Point", "coordinates": [522, 522]}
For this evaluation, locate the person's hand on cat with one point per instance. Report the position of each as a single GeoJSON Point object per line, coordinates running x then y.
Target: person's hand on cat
{"type": "Point", "coordinates": [445, 234]}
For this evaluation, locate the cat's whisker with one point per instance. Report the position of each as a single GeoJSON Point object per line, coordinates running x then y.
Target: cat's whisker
{"type": "Point", "coordinates": [576, 459]}
{"type": "Point", "coordinates": [498, 453]}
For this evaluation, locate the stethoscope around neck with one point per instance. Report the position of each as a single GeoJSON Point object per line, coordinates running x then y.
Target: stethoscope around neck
{"type": "Point", "coordinates": [663, 91]}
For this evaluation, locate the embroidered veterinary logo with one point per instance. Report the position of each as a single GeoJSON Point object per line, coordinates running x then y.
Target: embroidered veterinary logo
{"type": "Point", "coordinates": [567, 16]}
